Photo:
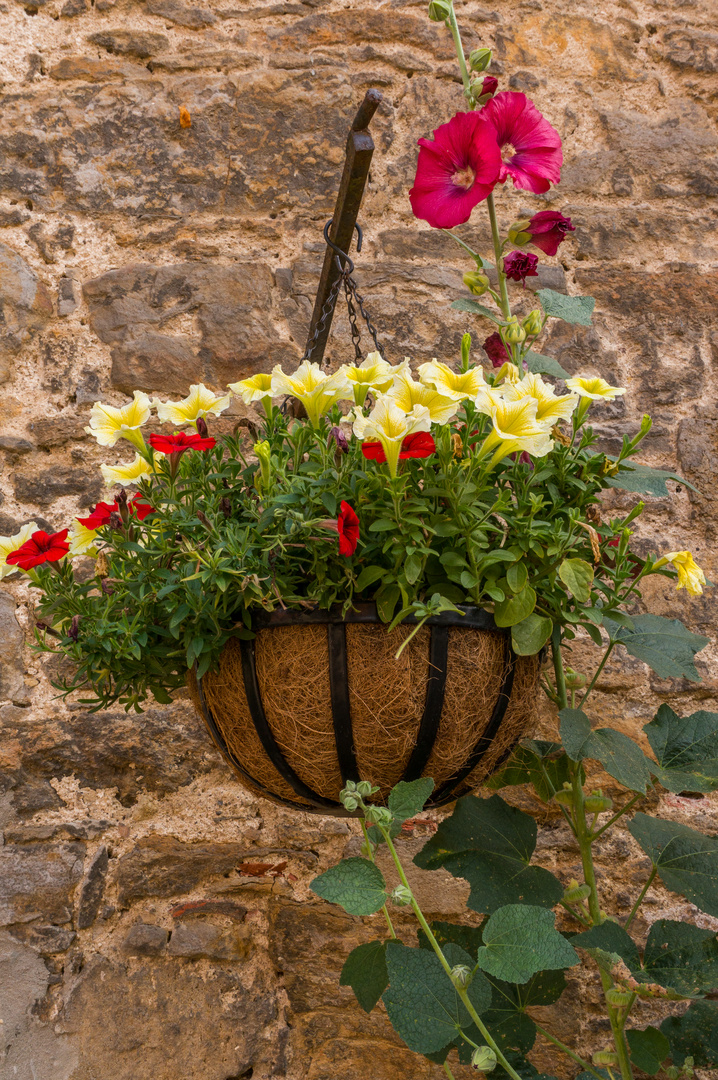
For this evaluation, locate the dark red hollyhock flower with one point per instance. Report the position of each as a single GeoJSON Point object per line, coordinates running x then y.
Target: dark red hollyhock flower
{"type": "Point", "coordinates": [489, 85]}
{"type": "Point", "coordinates": [42, 547]}
{"type": "Point", "coordinates": [177, 444]}
{"type": "Point", "coordinates": [518, 265]}
{"type": "Point", "coordinates": [103, 511]}
{"type": "Point", "coordinates": [531, 148]}
{"type": "Point", "coordinates": [348, 527]}
{"type": "Point", "coordinates": [547, 229]}
{"type": "Point", "coordinates": [455, 171]}
{"type": "Point", "coordinates": [496, 351]}
{"type": "Point", "coordinates": [419, 445]}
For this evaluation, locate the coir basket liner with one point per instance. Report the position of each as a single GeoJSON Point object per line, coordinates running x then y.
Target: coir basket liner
{"type": "Point", "coordinates": [316, 700]}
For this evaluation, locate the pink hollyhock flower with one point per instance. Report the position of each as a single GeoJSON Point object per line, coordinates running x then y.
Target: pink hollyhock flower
{"type": "Point", "coordinates": [455, 171]}
{"type": "Point", "coordinates": [530, 147]}
{"type": "Point", "coordinates": [547, 230]}
{"type": "Point", "coordinates": [518, 265]}
{"type": "Point", "coordinates": [496, 351]}
{"type": "Point", "coordinates": [348, 529]}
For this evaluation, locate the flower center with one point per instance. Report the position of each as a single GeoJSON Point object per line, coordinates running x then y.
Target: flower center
{"type": "Point", "coordinates": [507, 152]}
{"type": "Point", "coordinates": [464, 178]}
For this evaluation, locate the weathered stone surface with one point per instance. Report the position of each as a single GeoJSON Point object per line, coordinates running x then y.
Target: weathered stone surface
{"type": "Point", "coordinates": [48, 940]}
{"type": "Point", "coordinates": [92, 889]}
{"type": "Point", "coordinates": [145, 939]}
{"type": "Point", "coordinates": [182, 14]}
{"type": "Point", "coordinates": [691, 48]}
{"type": "Point", "coordinates": [25, 306]}
{"type": "Point", "coordinates": [229, 306]}
{"type": "Point", "coordinates": [38, 880]}
{"type": "Point", "coordinates": [164, 866]}
{"type": "Point", "coordinates": [49, 432]}
{"type": "Point", "coordinates": [205, 941]}
{"type": "Point", "coordinates": [130, 43]}
{"type": "Point", "coordinates": [12, 666]}
{"type": "Point", "coordinates": [43, 486]}
{"type": "Point", "coordinates": [165, 1023]}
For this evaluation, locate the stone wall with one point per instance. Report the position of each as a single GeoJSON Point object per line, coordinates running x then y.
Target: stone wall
{"type": "Point", "coordinates": [156, 919]}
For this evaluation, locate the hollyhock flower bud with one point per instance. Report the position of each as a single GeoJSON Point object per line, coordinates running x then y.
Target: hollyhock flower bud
{"type": "Point", "coordinates": [496, 350]}
{"type": "Point", "coordinates": [483, 1059]}
{"type": "Point", "coordinates": [518, 265]}
{"type": "Point", "coordinates": [365, 788]}
{"type": "Point", "coordinates": [439, 10]}
{"type": "Point", "coordinates": [597, 802]}
{"type": "Point", "coordinates": [401, 896]}
{"type": "Point", "coordinates": [518, 234]}
{"type": "Point", "coordinates": [461, 975]}
{"type": "Point", "coordinates": [605, 1057]}
{"type": "Point", "coordinates": [479, 59]}
{"type": "Point", "coordinates": [545, 230]}
{"type": "Point", "coordinates": [575, 893]}
{"type": "Point", "coordinates": [476, 282]}
{"type": "Point", "coordinates": [483, 91]}
{"type": "Point", "coordinates": [533, 323]}
{"type": "Point", "coordinates": [513, 333]}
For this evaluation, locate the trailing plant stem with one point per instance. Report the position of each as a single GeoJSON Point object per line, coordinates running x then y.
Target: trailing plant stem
{"type": "Point", "coordinates": [639, 901]}
{"type": "Point", "coordinates": [370, 853]}
{"type": "Point", "coordinates": [624, 809]}
{"type": "Point", "coordinates": [448, 1071]}
{"type": "Point", "coordinates": [461, 991]}
{"type": "Point", "coordinates": [505, 305]}
{"type": "Point", "coordinates": [558, 667]}
{"type": "Point", "coordinates": [562, 1046]}
{"type": "Point", "coordinates": [456, 35]}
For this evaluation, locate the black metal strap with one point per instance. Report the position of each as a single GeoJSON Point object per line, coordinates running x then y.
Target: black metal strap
{"type": "Point", "coordinates": [341, 709]}
{"type": "Point", "coordinates": [433, 703]}
{"type": "Point", "coordinates": [443, 793]}
{"type": "Point", "coordinates": [266, 737]}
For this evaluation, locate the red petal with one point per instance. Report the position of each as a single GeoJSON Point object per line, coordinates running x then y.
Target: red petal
{"type": "Point", "coordinates": [373, 451]}
{"type": "Point", "coordinates": [419, 445]}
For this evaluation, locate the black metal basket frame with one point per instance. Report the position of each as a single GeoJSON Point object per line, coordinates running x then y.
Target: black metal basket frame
{"type": "Point", "coordinates": [439, 625]}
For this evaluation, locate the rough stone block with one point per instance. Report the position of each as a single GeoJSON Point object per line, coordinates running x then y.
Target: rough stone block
{"type": "Point", "coordinates": [204, 941]}
{"type": "Point", "coordinates": [145, 939]}
{"type": "Point", "coordinates": [164, 866]}
{"type": "Point", "coordinates": [12, 665]}
{"type": "Point", "coordinates": [25, 306]}
{"type": "Point", "coordinates": [44, 486]}
{"type": "Point", "coordinates": [92, 889]}
{"type": "Point", "coordinates": [38, 881]}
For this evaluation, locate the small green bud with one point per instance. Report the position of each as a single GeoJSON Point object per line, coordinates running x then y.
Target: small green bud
{"type": "Point", "coordinates": [465, 352]}
{"type": "Point", "coordinates": [439, 10]}
{"type": "Point", "coordinates": [365, 788]}
{"type": "Point", "coordinates": [350, 803]}
{"type": "Point", "coordinates": [379, 815]}
{"type": "Point", "coordinates": [598, 803]}
{"type": "Point", "coordinates": [618, 998]}
{"type": "Point", "coordinates": [688, 1063]}
{"type": "Point", "coordinates": [564, 797]}
{"type": "Point", "coordinates": [672, 1072]}
{"type": "Point", "coordinates": [401, 896]}
{"type": "Point", "coordinates": [513, 333]}
{"type": "Point", "coordinates": [575, 893]}
{"type": "Point", "coordinates": [366, 850]}
{"type": "Point", "coordinates": [461, 975]}
{"type": "Point", "coordinates": [517, 233]}
{"type": "Point", "coordinates": [574, 680]}
{"type": "Point", "coordinates": [483, 1059]}
{"type": "Point", "coordinates": [349, 786]}
{"type": "Point", "coordinates": [476, 282]}
{"type": "Point", "coordinates": [533, 323]}
{"type": "Point", "coordinates": [479, 59]}
{"type": "Point", "coordinates": [605, 1057]}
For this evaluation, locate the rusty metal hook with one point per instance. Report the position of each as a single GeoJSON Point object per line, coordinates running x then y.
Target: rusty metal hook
{"type": "Point", "coordinates": [348, 263]}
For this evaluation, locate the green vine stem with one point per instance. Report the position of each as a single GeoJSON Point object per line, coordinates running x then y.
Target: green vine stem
{"type": "Point", "coordinates": [639, 901]}
{"type": "Point", "coordinates": [448, 1071]}
{"type": "Point", "coordinates": [505, 305]}
{"type": "Point", "coordinates": [455, 33]}
{"type": "Point", "coordinates": [370, 856]}
{"type": "Point", "coordinates": [567, 1050]}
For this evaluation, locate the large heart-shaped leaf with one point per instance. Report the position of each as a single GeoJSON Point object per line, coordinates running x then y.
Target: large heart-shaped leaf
{"type": "Point", "coordinates": [686, 748]}
{"type": "Point", "coordinates": [664, 644]}
{"type": "Point", "coordinates": [520, 940]}
{"type": "Point", "coordinates": [365, 971]}
{"type": "Point", "coordinates": [681, 956]}
{"type": "Point", "coordinates": [576, 310]}
{"type": "Point", "coordinates": [490, 844]}
{"type": "Point", "coordinates": [695, 1034]}
{"type": "Point", "coordinates": [686, 860]}
{"type": "Point", "coordinates": [356, 885]}
{"type": "Point", "coordinates": [620, 756]}
{"type": "Point", "coordinates": [649, 1049]}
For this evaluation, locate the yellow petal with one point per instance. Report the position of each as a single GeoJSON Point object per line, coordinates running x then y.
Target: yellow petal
{"type": "Point", "coordinates": [594, 388]}
{"type": "Point", "coordinates": [690, 576]}
{"type": "Point", "coordinates": [9, 544]}
{"type": "Point", "coordinates": [253, 389]}
{"type": "Point", "coordinates": [199, 402]}
{"type": "Point", "coordinates": [109, 424]}
{"type": "Point", "coordinates": [126, 474]}
{"type": "Point", "coordinates": [81, 540]}
{"type": "Point", "coordinates": [551, 407]}
{"type": "Point", "coordinates": [455, 385]}
{"type": "Point", "coordinates": [406, 393]}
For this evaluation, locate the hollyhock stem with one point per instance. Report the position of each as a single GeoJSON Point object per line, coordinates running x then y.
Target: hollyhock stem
{"type": "Point", "coordinates": [505, 305]}
{"type": "Point", "coordinates": [466, 79]}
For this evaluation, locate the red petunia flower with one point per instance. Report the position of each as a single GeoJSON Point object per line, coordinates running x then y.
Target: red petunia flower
{"type": "Point", "coordinates": [348, 528]}
{"type": "Point", "coordinates": [177, 444]}
{"type": "Point", "coordinates": [455, 171]}
{"type": "Point", "coordinates": [496, 351]}
{"type": "Point", "coordinates": [531, 148]}
{"type": "Point", "coordinates": [419, 445]}
{"type": "Point", "coordinates": [519, 265]}
{"type": "Point", "coordinates": [546, 230]}
{"type": "Point", "coordinates": [42, 547]}
{"type": "Point", "coordinates": [101, 514]}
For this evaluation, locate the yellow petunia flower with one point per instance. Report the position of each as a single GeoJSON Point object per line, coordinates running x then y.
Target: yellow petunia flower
{"type": "Point", "coordinates": [256, 388]}
{"type": "Point", "coordinates": [515, 430]}
{"type": "Point", "coordinates": [81, 540]}
{"type": "Point", "coordinates": [455, 385]}
{"type": "Point", "coordinates": [126, 474]}
{"type": "Point", "coordinates": [551, 407]}
{"type": "Point", "coordinates": [316, 390]}
{"type": "Point", "coordinates": [199, 402]}
{"type": "Point", "coordinates": [594, 388]}
{"type": "Point", "coordinates": [690, 576]}
{"type": "Point", "coordinates": [374, 373]}
{"type": "Point", "coordinates": [407, 393]}
{"type": "Point", "coordinates": [108, 424]}
{"type": "Point", "coordinates": [8, 544]}
{"type": "Point", "coordinates": [390, 424]}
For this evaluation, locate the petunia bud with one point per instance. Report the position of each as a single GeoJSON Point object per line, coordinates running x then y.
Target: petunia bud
{"type": "Point", "coordinates": [121, 502]}
{"type": "Point", "coordinates": [618, 998]}
{"type": "Point", "coordinates": [439, 10]}
{"type": "Point", "coordinates": [106, 587]}
{"type": "Point", "coordinates": [115, 522]}
{"type": "Point", "coordinates": [518, 235]}
{"type": "Point", "coordinates": [465, 351]}
{"type": "Point", "coordinates": [479, 59]}
{"type": "Point", "coordinates": [201, 425]}
{"type": "Point", "coordinates": [73, 631]}
{"type": "Point", "coordinates": [533, 323]}
{"type": "Point", "coordinates": [598, 803]}
{"type": "Point", "coordinates": [337, 436]}
{"type": "Point", "coordinates": [476, 282]}
{"type": "Point", "coordinates": [513, 332]}
{"type": "Point", "coordinates": [263, 451]}
{"type": "Point", "coordinates": [461, 975]}
{"type": "Point", "coordinates": [225, 506]}
{"type": "Point", "coordinates": [401, 896]}
{"type": "Point", "coordinates": [483, 1059]}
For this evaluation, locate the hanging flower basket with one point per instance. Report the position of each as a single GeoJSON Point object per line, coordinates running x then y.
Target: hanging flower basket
{"type": "Point", "coordinates": [316, 700]}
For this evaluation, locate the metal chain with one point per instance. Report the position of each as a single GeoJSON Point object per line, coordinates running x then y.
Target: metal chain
{"type": "Point", "coordinates": [327, 310]}
{"type": "Point", "coordinates": [355, 332]}
{"type": "Point", "coordinates": [351, 285]}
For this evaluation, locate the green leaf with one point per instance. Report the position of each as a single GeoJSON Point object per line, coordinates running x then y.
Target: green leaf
{"type": "Point", "coordinates": [545, 365]}
{"type": "Point", "coordinates": [516, 608]}
{"type": "Point", "coordinates": [517, 576]}
{"type": "Point", "coordinates": [520, 940]}
{"type": "Point", "coordinates": [543, 764]}
{"type": "Point", "coordinates": [530, 635]}
{"type": "Point", "coordinates": [681, 956]}
{"type": "Point", "coordinates": [412, 568]}
{"type": "Point", "coordinates": [355, 884]}
{"type": "Point", "coordinates": [576, 310]}
{"type": "Point", "coordinates": [466, 937]}
{"type": "Point", "coordinates": [386, 600]}
{"type": "Point", "coordinates": [490, 844]}
{"type": "Point", "coordinates": [474, 308]}
{"type": "Point", "coordinates": [609, 937]}
{"type": "Point", "coordinates": [664, 644]}
{"type": "Point", "coordinates": [422, 1003]}
{"type": "Point", "coordinates": [649, 1049]}
{"type": "Point", "coordinates": [507, 1020]}
{"type": "Point", "coordinates": [577, 576]}
{"type": "Point", "coordinates": [686, 748]}
{"type": "Point", "coordinates": [620, 756]}
{"type": "Point", "coordinates": [644, 480]}
{"type": "Point", "coordinates": [368, 576]}
{"type": "Point", "coordinates": [524, 1068]}
{"type": "Point", "coordinates": [686, 860]}
{"type": "Point", "coordinates": [408, 799]}
{"type": "Point", "coordinates": [695, 1034]}
{"type": "Point", "coordinates": [365, 971]}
